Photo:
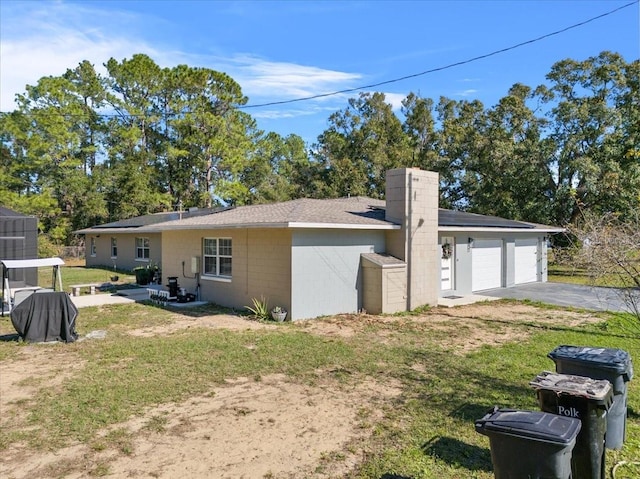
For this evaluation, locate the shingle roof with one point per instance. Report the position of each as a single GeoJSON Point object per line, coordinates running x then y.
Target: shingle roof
{"type": "Point", "coordinates": [355, 212]}
{"type": "Point", "coordinates": [155, 218]}
{"type": "Point", "coordinates": [461, 218]}
{"type": "Point", "coordinates": [346, 212]}
{"type": "Point", "coordinates": [148, 220]}
{"type": "Point", "coordinates": [7, 212]}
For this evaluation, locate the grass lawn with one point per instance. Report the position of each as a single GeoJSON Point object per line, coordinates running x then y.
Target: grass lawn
{"type": "Point", "coordinates": [447, 367]}
{"type": "Point", "coordinates": [575, 275]}
{"type": "Point", "coordinates": [78, 274]}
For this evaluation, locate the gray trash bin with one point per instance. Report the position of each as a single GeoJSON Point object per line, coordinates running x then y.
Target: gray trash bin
{"type": "Point", "coordinates": [529, 444]}
{"type": "Point", "coordinates": [615, 366]}
{"type": "Point", "coordinates": [585, 399]}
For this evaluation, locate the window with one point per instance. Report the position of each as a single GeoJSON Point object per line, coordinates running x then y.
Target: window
{"type": "Point", "coordinates": [93, 246]}
{"type": "Point", "coordinates": [114, 248]}
{"type": "Point", "coordinates": [142, 248]}
{"type": "Point", "coordinates": [217, 257]}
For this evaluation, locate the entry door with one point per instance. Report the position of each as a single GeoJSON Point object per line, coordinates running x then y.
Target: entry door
{"type": "Point", "coordinates": [447, 263]}
{"type": "Point", "coordinates": [526, 261]}
{"type": "Point", "coordinates": [486, 264]}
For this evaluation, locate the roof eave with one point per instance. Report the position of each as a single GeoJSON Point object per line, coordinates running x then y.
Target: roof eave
{"type": "Point", "coordinates": [292, 225]}
{"type": "Point", "coordinates": [98, 231]}
{"type": "Point", "coordinates": [485, 229]}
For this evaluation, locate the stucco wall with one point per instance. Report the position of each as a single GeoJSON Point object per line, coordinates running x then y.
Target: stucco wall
{"type": "Point", "coordinates": [261, 265]}
{"type": "Point", "coordinates": [126, 258]}
{"type": "Point", "coordinates": [325, 270]}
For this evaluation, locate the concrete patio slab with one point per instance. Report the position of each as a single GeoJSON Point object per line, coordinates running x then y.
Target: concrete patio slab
{"type": "Point", "coordinates": [451, 301]}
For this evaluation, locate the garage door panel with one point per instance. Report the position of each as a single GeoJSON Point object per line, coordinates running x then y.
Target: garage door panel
{"type": "Point", "coordinates": [526, 261]}
{"type": "Point", "coordinates": [486, 264]}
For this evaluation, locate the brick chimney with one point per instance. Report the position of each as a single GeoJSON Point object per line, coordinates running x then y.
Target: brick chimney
{"type": "Point", "coordinates": [412, 201]}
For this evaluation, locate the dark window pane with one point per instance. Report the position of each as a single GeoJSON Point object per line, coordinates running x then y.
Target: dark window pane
{"type": "Point", "coordinates": [225, 266]}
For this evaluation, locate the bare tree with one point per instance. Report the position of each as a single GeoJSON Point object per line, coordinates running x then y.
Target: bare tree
{"type": "Point", "coordinates": [609, 248]}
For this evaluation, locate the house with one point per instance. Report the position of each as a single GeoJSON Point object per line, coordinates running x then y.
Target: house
{"type": "Point", "coordinates": [18, 241]}
{"type": "Point", "coordinates": [321, 257]}
{"type": "Point", "coordinates": [122, 244]}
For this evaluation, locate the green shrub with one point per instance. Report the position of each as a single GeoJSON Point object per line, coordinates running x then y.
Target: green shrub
{"type": "Point", "coordinates": [260, 309]}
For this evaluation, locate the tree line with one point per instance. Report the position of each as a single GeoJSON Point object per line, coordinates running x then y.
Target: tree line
{"type": "Point", "coordinates": [83, 148]}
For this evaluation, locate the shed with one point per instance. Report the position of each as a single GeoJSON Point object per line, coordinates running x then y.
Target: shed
{"type": "Point", "coordinates": [18, 241]}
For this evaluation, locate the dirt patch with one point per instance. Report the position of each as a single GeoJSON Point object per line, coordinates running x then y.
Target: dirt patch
{"type": "Point", "coordinates": [247, 429]}
{"type": "Point", "coordinates": [465, 328]}
{"type": "Point", "coordinates": [36, 366]}
{"type": "Point", "coordinates": [180, 322]}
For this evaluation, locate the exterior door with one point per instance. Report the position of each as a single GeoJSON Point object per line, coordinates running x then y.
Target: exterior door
{"type": "Point", "coordinates": [447, 263]}
{"type": "Point", "coordinates": [486, 264]}
{"type": "Point", "coordinates": [526, 261]}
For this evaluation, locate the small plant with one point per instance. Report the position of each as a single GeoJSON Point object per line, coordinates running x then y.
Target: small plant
{"type": "Point", "coordinates": [278, 313]}
{"type": "Point", "coordinates": [260, 309]}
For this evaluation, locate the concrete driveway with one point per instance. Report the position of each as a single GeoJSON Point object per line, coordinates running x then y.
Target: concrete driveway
{"type": "Point", "coordinates": [563, 294]}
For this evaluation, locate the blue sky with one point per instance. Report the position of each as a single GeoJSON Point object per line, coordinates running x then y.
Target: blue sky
{"type": "Point", "coordinates": [290, 49]}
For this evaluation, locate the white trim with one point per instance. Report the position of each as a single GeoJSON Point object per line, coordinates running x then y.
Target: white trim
{"type": "Point", "coordinates": [499, 230]}
{"type": "Point", "coordinates": [292, 225]}
{"type": "Point", "coordinates": [390, 226]}
{"type": "Point", "coordinates": [31, 263]}
{"type": "Point", "coordinates": [219, 279]}
{"type": "Point", "coordinates": [143, 248]}
{"type": "Point", "coordinates": [344, 226]}
{"type": "Point", "coordinates": [111, 245]}
{"type": "Point", "coordinates": [218, 255]}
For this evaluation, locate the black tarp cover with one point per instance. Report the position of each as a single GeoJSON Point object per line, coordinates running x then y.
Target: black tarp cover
{"type": "Point", "coordinates": [47, 316]}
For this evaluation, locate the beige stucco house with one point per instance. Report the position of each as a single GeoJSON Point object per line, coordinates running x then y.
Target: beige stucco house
{"type": "Point", "coordinates": [321, 257]}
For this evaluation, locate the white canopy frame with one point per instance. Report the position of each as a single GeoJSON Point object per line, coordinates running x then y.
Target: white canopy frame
{"type": "Point", "coordinates": [9, 264]}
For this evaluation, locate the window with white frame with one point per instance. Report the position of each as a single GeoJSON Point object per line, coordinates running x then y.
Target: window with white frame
{"type": "Point", "coordinates": [114, 247]}
{"type": "Point", "coordinates": [92, 247]}
{"type": "Point", "coordinates": [142, 248]}
{"type": "Point", "coordinates": [217, 257]}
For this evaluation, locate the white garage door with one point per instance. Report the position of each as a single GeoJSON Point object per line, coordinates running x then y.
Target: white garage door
{"type": "Point", "coordinates": [526, 260]}
{"type": "Point", "coordinates": [486, 264]}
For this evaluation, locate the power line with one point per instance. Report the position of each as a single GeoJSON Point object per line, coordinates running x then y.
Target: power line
{"type": "Point", "coordinates": [446, 67]}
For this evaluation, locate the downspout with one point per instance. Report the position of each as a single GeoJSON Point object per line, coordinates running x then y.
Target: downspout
{"type": "Point", "coordinates": [3, 297]}
{"type": "Point", "coordinates": [409, 225]}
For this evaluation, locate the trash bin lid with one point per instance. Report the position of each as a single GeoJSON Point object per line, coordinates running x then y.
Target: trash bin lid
{"type": "Point", "coordinates": [597, 391]}
{"type": "Point", "coordinates": [615, 360]}
{"type": "Point", "coordinates": [541, 426]}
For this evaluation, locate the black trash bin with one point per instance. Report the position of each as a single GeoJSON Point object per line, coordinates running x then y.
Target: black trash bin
{"type": "Point", "coordinates": [585, 399]}
{"type": "Point", "coordinates": [615, 366]}
{"type": "Point", "coordinates": [529, 444]}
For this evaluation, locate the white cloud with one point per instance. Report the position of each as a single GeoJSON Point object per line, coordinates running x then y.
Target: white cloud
{"type": "Point", "coordinates": [395, 99]}
{"type": "Point", "coordinates": [49, 38]}
{"type": "Point", "coordinates": [263, 78]}
{"type": "Point", "coordinates": [41, 39]}
{"type": "Point", "coordinates": [468, 92]}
